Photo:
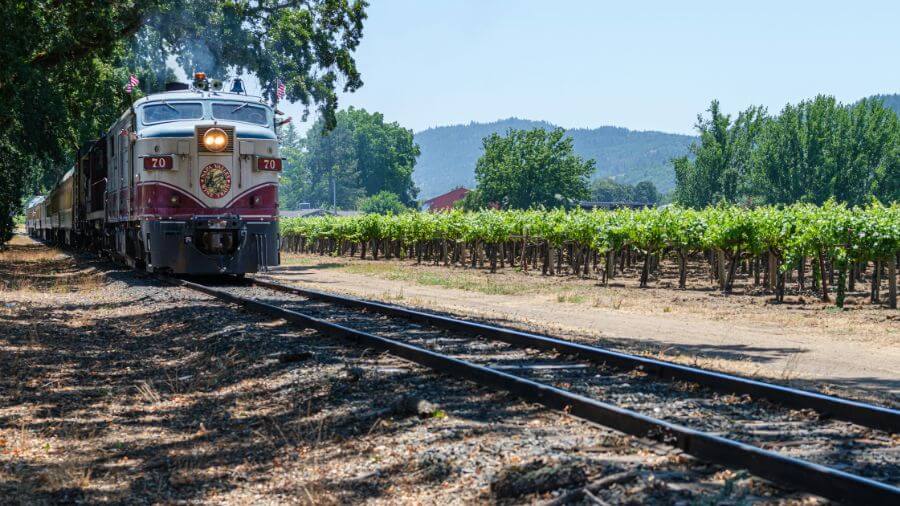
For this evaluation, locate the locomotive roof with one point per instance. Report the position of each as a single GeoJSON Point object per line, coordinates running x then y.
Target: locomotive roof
{"type": "Point", "coordinates": [200, 95]}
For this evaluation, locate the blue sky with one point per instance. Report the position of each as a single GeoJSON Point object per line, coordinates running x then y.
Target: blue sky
{"type": "Point", "coordinates": [642, 65]}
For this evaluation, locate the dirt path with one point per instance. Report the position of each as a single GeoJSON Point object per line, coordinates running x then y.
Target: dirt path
{"type": "Point", "coordinates": [857, 354]}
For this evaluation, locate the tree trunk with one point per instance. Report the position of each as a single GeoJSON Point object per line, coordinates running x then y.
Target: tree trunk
{"type": "Point", "coordinates": [645, 271]}
{"type": "Point", "coordinates": [732, 268]}
{"type": "Point", "coordinates": [611, 264]}
{"type": "Point", "coordinates": [524, 260]}
{"type": "Point", "coordinates": [682, 270]}
{"type": "Point", "coordinates": [545, 264]}
{"type": "Point", "coordinates": [756, 263]}
{"type": "Point", "coordinates": [892, 282]}
{"type": "Point", "coordinates": [779, 287]}
{"type": "Point", "coordinates": [771, 274]}
{"type": "Point", "coordinates": [824, 279]}
{"type": "Point", "coordinates": [875, 295]}
{"type": "Point", "coordinates": [841, 284]}
{"type": "Point", "coordinates": [720, 269]}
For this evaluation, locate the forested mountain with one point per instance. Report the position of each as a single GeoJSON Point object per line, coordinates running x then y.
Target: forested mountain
{"type": "Point", "coordinates": [449, 153]}
{"type": "Point", "coordinates": [890, 101]}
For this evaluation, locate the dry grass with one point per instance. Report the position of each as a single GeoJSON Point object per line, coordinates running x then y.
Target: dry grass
{"type": "Point", "coordinates": [702, 299]}
{"type": "Point", "coordinates": [473, 281]}
{"type": "Point", "coordinates": [30, 267]}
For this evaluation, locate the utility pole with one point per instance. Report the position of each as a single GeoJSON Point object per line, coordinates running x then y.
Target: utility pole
{"type": "Point", "coordinates": [333, 191]}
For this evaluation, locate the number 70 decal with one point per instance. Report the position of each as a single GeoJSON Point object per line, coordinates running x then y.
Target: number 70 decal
{"type": "Point", "coordinates": [272, 164]}
{"type": "Point", "coordinates": [158, 163]}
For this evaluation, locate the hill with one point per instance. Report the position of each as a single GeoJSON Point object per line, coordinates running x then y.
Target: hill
{"type": "Point", "coordinates": [890, 101]}
{"type": "Point", "coordinates": [449, 153]}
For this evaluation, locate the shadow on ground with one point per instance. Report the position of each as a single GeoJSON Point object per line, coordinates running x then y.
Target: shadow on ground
{"type": "Point", "coordinates": [160, 395]}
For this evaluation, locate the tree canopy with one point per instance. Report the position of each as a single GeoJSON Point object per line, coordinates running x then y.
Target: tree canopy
{"type": "Point", "coordinates": [382, 203]}
{"type": "Point", "coordinates": [813, 152]}
{"type": "Point", "coordinates": [362, 156]}
{"type": "Point", "coordinates": [607, 190]}
{"type": "Point", "coordinates": [63, 66]}
{"type": "Point", "coordinates": [530, 168]}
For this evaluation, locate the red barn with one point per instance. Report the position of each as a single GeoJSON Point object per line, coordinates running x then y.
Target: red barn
{"type": "Point", "coordinates": [445, 202]}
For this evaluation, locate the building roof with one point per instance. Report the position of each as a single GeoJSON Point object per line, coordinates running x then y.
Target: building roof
{"type": "Point", "coordinates": [586, 204]}
{"type": "Point", "coordinates": [308, 213]}
{"type": "Point", "coordinates": [446, 200]}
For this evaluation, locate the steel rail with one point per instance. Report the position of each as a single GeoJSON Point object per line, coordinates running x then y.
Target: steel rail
{"type": "Point", "coordinates": [787, 471]}
{"type": "Point", "coordinates": [869, 415]}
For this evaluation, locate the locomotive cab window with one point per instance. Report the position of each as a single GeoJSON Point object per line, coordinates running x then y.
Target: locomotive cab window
{"type": "Point", "coordinates": [171, 111]}
{"type": "Point", "coordinates": [240, 111]}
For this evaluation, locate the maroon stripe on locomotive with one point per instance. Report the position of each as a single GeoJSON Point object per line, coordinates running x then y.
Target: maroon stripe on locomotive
{"type": "Point", "coordinates": [154, 201]}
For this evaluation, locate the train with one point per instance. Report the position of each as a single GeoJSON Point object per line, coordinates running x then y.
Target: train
{"type": "Point", "coordinates": [184, 182]}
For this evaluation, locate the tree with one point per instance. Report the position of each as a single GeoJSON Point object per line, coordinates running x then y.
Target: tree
{"type": "Point", "coordinates": [473, 201]}
{"type": "Point", "coordinates": [813, 151]}
{"type": "Point", "coordinates": [722, 159]}
{"type": "Point", "coordinates": [607, 190]}
{"type": "Point", "coordinates": [362, 156]}
{"type": "Point", "coordinates": [294, 184]}
{"type": "Point", "coordinates": [532, 168]}
{"type": "Point", "coordinates": [382, 203]}
{"type": "Point", "coordinates": [63, 65]}
{"type": "Point", "coordinates": [645, 193]}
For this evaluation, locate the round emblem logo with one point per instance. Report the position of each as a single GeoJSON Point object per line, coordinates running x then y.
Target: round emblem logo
{"type": "Point", "coordinates": [215, 180]}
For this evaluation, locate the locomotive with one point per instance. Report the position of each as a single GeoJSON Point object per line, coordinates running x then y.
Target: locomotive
{"type": "Point", "coordinates": [185, 182]}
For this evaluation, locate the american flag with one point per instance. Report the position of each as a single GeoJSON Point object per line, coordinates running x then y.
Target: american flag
{"type": "Point", "coordinates": [280, 90]}
{"type": "Point", "coordinates": [132, 83]}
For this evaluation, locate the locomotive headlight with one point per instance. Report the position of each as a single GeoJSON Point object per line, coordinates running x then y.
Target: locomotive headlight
{"type": "Point", "coordinates": [215, 139]}
{"type": "Point", "coordinates": [174, 200]}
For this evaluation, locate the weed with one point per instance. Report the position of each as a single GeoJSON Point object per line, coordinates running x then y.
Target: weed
{"type": "Point", "coordinates": [148, 392]}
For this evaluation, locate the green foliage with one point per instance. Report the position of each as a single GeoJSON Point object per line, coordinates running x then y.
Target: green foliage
{"type": "Point", "coordinates": [532, 168]}
{"type": "Point", "coordinates": [814, 151]}
{"type": "Point", "coordinates": [891, 102]}
{"type": "Point", "coordinates": [858, 233]}
{"type": "Point", "coordinates": [363, 155]}
{"type": "Point", "coordinates": [382, 202]}
{"type": "Point", "coordinates": [607, 190]}
{"type": "Point", "coordinates": [449, 153]}
{"type": "Point", "coordinates": [294, 183]}
{"type": "Point", "coordinates": [63, 66]}
{"type": "Point", "coordinates": [645, 192]}
{"type": "Point", "coordinates": [473, 201]}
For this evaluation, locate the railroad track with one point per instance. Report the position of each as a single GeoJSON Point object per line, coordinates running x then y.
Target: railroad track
{"type": "Point", "coordinates": [835, 448]}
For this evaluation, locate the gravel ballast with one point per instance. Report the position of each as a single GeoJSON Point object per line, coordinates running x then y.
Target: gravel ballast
{"type": "Point", "coordinates": [119, 388]}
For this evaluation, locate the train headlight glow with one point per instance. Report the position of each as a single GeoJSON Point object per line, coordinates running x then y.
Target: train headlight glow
{"type": "Point", "coordinates": [215, 139]}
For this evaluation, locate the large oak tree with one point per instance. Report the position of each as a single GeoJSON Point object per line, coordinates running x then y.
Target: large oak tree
{"type": "Point", "coordinates": [532, 168]}
{"type": "Point", "coordinates": [63, 65]}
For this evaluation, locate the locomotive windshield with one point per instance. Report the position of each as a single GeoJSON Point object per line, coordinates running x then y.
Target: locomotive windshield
{"type": "Point", "coordinates": [240, 111]}
{"type": "Point", "coordinates": [165, 111]}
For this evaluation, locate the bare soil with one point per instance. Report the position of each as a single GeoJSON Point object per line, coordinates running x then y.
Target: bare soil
{"type": "Point", "coordinates": [805, 342]}
{"type": "Point", "coordinates": [118, 389]}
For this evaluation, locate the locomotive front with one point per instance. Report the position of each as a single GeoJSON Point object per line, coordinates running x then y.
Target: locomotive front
{"type": "Point", "coordinates": [207, 166]}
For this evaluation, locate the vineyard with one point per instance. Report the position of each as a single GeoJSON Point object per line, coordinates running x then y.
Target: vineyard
{"type": "Point", "coordinates": [828, 249]}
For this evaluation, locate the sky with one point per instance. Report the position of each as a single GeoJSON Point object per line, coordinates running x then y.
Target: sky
{"type": "Point", "coordinates": [644, 65]}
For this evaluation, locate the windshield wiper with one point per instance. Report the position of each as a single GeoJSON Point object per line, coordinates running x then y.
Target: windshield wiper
{"type": "Point", "coordinates": [238, 108]}
{"type": "Point", "coordinates": [170, 106]}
